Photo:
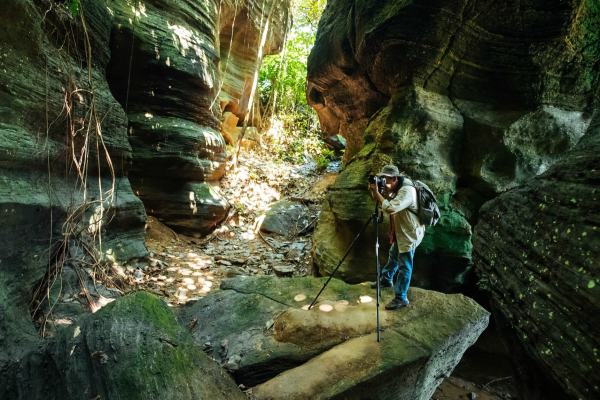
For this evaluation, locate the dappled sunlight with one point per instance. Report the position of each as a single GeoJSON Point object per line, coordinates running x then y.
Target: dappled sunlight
{"type": "Point", "coordinates": [248, 235]}
{"type": "Point", "coordinates": [184, 39]}
{"type": "Point", "coordinates": [95, 222]}
{"type": "Point", "coordinates": [328, 306]}
{"type": "Point", "coordinates": [182, 272]}
{"type": "Point", "coordinates": [366, 299]}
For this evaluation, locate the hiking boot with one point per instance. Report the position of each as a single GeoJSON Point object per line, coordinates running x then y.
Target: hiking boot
{"type": "Point", "coordinates": [396, 304]}
{"type": "Point", "coordinates": [382, 283]}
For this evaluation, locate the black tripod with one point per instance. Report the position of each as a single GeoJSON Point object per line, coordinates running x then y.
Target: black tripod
{"type": "Point", "coordinates": [376, 220]}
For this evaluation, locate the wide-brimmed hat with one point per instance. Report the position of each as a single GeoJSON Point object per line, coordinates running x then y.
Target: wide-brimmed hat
{"type": "Point", "coordinates": [389, 170]}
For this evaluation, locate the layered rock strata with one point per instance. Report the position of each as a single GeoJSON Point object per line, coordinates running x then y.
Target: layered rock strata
{"type": "Point", "coordinates": [472, 98]}
{"type": "Point", "coordinates": [175, 65]}
{"type": "Point", "coordinates": [65, 158]}
{"type": "Point", "coordinates": [241, 27]}
{"type": "Point", "coordinates": [537, 250]}
{"type": "Point", "coordinates": [164, 72]}
{"type": "Point", "coordinates": [262, 331]}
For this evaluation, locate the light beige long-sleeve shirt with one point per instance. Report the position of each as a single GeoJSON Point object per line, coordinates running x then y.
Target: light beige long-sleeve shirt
{"type": "Point", "coordinates": [409, 231]}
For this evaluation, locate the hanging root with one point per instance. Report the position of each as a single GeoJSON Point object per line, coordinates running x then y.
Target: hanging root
{"type": "Point", "coordinates": [83, 136]}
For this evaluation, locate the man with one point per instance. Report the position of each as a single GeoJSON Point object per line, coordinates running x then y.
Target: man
{"type": "Point", "coordinates": [406, 231]}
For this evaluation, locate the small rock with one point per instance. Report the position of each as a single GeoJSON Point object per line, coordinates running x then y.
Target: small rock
{"type": "Point", "coordinates": [223, 262]}
{"type": "Point", "coordinates": [233, 272]}
{"type": "Point", "coordinates": [283, 270]}
{"type": "Point", "coordinates": [233, 363]}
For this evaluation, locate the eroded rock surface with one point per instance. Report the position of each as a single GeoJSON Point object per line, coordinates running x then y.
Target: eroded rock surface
{"type": "Point", "coordinates": [174, 67]}
{"type": "Point", "coordinates": [537, 250]}
{"type": "Point", "coordinates": [241, 27]}
{"type": "Point", "coordinates": [56, 171]}
{"type": "Point", "coordinates": [260, 327]}
{"type": "Point", "coordinates": [462, 95]}
{"type": "Point", "coordinates": [164, 71]}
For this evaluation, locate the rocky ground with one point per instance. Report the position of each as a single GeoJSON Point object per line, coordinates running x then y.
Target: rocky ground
{"type": "Point", "coordinates": [268, 231]}
{"type": "Point", "coordinates": [184, 269]}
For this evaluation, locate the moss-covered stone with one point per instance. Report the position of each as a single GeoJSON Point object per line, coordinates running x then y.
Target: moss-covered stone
{"type": "Point", "coordinates": [133, 348]}
{"type": "Point", "coordinates": [264, 324]}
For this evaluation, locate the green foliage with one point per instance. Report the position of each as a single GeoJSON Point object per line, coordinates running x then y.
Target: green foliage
{"type": "Point", "coordinates": [295, 135]}
{"type": "Point", "coordinates": [590, 28]}
{"type": "Point", "coordinates": [239, 208]}
{"type": "Point", "coordinates": [287, 74]}
{"type": "Point", "coordinates": [73, 6]}
{"type": "Point", "coordinates": [295, 132]}
{"type": "Point", "coordinates": [325, 158]}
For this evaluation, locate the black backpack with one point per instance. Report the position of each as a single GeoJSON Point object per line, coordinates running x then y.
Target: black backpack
{"type": "Point", "coordinates": [429, 212]}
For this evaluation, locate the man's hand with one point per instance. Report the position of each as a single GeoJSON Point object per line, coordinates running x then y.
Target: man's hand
{"type": "Point", "coordinates": [374, 189]}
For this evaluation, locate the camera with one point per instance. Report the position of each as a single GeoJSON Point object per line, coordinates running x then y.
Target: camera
{"type": "Point", "coordinates": [380, 182]}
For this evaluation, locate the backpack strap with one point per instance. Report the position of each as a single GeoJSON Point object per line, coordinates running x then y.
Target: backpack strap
{"type": "Point", "coordinates": [418, 205]}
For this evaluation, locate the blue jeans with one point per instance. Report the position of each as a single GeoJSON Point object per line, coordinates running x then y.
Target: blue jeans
{"type": "Point", "coordinates": [403, 263]}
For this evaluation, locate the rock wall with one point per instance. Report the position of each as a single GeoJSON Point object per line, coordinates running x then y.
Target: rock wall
{"type": "Point", "coordinates": [537, 250]}
{"type": "Point", "coordinates": [477, 99]}
{"type": "Point", "coordinates": [56, 111]}
{"type": "Point", "coordinates": [174, 66]}
{"type": "Point", "coordinates": [472, 98]}
{"type": "Point", "coordinates": [241, 27]}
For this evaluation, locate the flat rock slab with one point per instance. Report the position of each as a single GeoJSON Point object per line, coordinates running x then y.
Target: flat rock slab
{"type": "Point", "coordinates": [284, 270]}
{"type": "Point", "coordinates": [286, 351]}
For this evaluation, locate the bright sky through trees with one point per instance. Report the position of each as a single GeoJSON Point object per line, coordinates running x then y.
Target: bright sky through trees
{"type": "Point", "coordinates": [282, 78]}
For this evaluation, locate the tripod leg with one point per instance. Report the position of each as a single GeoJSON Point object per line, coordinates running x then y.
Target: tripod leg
{"type": "Point", "coordinates": [342, 260]}
{"type": "Point", "coordinates": [378, 270]}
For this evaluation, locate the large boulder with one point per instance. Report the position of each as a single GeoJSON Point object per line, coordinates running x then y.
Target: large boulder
{"type": "Point", "coordinates": [261, 329]}
{"type": "Point", "coordinates": [65, 157]}
{"type": "Point", "coordinates": [537, 251]}
{"type": "Point", "coordinates": [284, 218]}
{"type": "Point", "coordinates": [133, 348]}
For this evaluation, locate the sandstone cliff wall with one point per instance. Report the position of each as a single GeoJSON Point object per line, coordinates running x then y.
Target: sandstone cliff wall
{"type": "Point", "coordinates": [477, 98]}
{"type": "Point", "coordinates": [56, 111]}
{"type": "Point", "coordinates": [175, 65]}
{"type": "Point", "coordinates": [537, 250]}
{"type": "Point", "coordinates": [472, 98]}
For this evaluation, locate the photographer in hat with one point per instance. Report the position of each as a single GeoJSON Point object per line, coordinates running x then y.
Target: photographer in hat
{"type": "Point", "coordinates": [399, 201]}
